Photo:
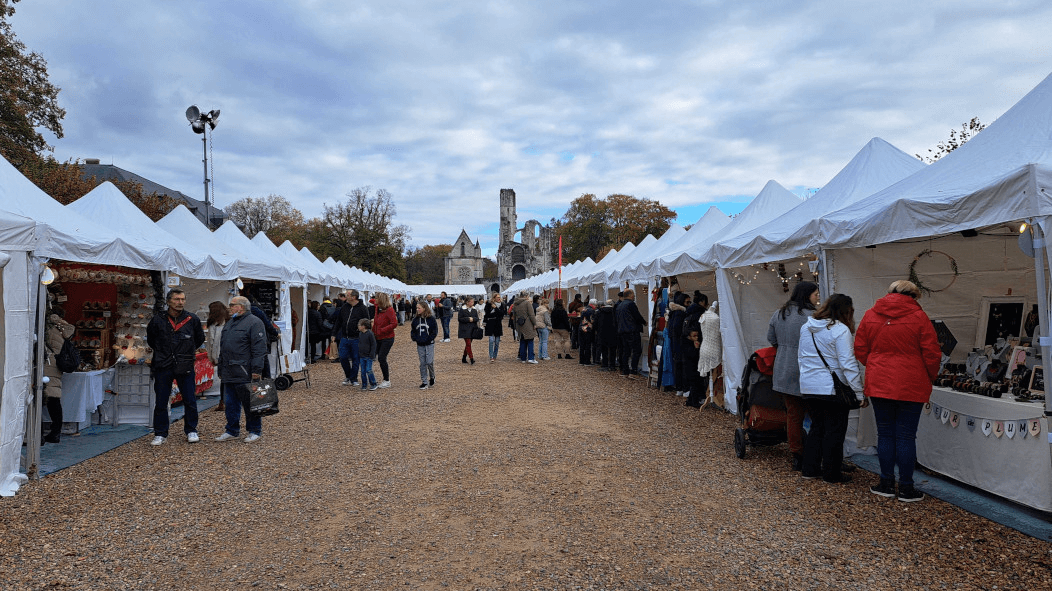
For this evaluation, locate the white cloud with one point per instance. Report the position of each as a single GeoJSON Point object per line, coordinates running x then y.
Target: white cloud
{"type": "Point", "coordinates": [445, 104]}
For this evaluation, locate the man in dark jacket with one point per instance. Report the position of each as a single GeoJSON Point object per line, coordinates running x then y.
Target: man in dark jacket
{"type": "Point", "coordinates": [242, 349]}
{"type": "Point", "coordinates": [444, 310]}
{"type": "Point", "coordinates": [606, 335]}
{"type": "Point", "coordinates": [175, 336]}
{"type": "Point", "coordinates": [347, 325]}
{"type": "Point", "coordinates": [629, 324]}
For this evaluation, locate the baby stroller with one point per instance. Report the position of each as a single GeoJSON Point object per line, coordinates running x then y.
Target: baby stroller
{"type": "Point", "coordinates": [760, 408]}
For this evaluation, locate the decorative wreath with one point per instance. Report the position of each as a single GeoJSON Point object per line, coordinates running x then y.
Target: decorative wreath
{"type": "Point", "coordinates": [916, 279]}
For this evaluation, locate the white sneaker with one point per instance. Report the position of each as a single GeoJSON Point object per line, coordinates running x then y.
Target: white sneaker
{"type": "Point", "coordinates": [252, 437]}
{"type": "Point", "coordinates": [158, 440]}
{"type": "Point", "coordinates": [384, 384]}
{"type": "Point", "coordinates": [347, 383]}
{"type": "Point", "coordinates": [423, 386]}
{"type": "Point", "coordinates": [192, 437]}
{"type": "Point", "coordinates": [533, 361]}
{"type": "Point", "coordinates": [445, 340]}
{"type": "Point", "coordinates": [226, 437]}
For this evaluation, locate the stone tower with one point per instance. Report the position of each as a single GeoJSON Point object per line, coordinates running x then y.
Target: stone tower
{"type": "Point", "coordinates": [507, 215]}
{"type": "Point", "coordinates": [531, 254]}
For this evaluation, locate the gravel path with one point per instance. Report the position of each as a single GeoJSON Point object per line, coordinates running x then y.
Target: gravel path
{"type": "Point", "coordinates": [504, 476]}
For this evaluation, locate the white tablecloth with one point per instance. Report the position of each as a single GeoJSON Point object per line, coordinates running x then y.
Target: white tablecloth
{"type": "Point", "coordinates": [83, 392]}
{"type": "Point", "coordinates": [1017, 468]}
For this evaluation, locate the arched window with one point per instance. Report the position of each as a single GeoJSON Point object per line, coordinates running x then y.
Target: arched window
{"type": "Point", "coordinates": [518, 272]}
{"type": "Point", "coordinates": [461, 249]}
{"type": "Point", "coordinates": [518, 255]}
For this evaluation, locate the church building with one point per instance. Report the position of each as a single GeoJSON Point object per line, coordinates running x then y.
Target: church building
{"type": "Point", "coordinates": [464, 262]}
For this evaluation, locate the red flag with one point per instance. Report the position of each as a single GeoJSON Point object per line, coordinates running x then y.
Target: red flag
{"type": "Point", "coordinates": [560, 251]}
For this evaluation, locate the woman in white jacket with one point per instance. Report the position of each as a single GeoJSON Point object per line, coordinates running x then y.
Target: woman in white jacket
{"type": "Point", "coordinates": [830, 332]}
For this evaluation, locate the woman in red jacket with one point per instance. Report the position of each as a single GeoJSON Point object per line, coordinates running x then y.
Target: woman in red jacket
{"type": "Point", "coordinates": [897, 344]}
{"type": "Point", "coordinates": [384, 329]}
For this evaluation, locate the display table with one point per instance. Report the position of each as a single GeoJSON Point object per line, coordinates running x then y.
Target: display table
{"type": "Point", "coordinates": [1018, 468]}
{"type": "Point", "coordinates": [83, 392]}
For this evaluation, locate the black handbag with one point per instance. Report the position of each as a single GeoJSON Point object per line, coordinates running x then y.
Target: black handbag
{"type": "Point", "coordinates": [842, 392]}
{"type": "Point", "coordinates": [259, 397]}
{"type": "Point", "coordinates": [477, 333]}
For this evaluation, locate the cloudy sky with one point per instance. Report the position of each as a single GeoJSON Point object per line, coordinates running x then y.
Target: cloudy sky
{"type": "Point", "coordinates": [445, 103]}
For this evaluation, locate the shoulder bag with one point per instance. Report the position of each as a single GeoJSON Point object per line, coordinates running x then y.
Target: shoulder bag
{"type": "Point", "coordinates": [842, 392]}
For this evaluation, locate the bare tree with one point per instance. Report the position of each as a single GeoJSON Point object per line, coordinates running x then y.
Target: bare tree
{"type": "Point", "coordinates": [968, 131]}
{"type": "Point", "coordinates": [362, 232]}
{"type": "Point", "coordinates": [264, 214]}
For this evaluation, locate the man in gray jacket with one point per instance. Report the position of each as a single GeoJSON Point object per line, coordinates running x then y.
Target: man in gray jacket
{"type": "Point", "coordinates": [241, 351]}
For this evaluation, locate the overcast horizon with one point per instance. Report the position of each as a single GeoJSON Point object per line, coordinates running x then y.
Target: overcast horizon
{"type": "Point", "coordinates": [690, 104]}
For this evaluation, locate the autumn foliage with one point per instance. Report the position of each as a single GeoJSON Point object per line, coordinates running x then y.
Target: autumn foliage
{"type": "Point", "coordinates": [592, 226]}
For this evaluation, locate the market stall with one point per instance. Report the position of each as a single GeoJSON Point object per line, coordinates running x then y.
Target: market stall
{"type": "Point", "coordinates": [956, 229]}
{"type": "Point", "coordinates": [18, 282]}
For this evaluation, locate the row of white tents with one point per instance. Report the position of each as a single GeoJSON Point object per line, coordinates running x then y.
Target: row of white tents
{"type": "Point", "coordinates": [955, 223]}
{"type": "Point", "coordinates": [105, 228]}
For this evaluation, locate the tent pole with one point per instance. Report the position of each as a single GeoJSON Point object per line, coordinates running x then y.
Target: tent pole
{"type": "Point", "coordinates": [1042, 302]}
{"type": "Point", "coordinates": [37, 403]}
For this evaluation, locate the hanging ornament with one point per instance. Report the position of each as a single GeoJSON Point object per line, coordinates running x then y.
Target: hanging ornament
{"type": "Point", "coordinates": [1010, 429]}
{"type": "Point", "coordinates": [1022, 428]}
{"type": "Point", "coordinates": [970, 423]}
{"type": "Point", "coordinates": [927, 408]}
{"type": "Point", "coordinates": [987, 427]}
{"type": "Point", "coordinates": [1034, 427]}
{"type": "Point", "coordinates": [916, 278]}
{"type": "Point", "coordinates": [944, 415]}
{"type": "Point", "coordinates": [999, 429]}
{"type": "Point", "coordinates": [955, 419]}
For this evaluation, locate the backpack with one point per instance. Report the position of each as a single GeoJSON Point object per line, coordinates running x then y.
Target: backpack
{"type": "Point", "coordinates": [68, 358]}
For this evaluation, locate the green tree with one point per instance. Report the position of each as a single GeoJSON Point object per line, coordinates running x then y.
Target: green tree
{"type": "Point", "coordinates": [592, 226]}
{"type": "Point", "coordinates": [361, 232]}
{"type": "Point", "coordinates": [28, 100]}
{"type": "Point", "coordinates": [968, 131]}
{"type": "Point", "coordinates": [426, 265]}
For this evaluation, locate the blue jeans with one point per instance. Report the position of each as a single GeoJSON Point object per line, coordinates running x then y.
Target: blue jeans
{"type": "Point", "coordinates": [368, 379]}
{"type": "Point", "coordinates": [162, 389]}
{"type": "Point", "coordinates": [897, 437]}
{"type": "Point", "coordinates": [349, 358]}
{"type": "Point", "coordinates": [253, 423]}
{"type": "Point", "coordinates": [525, 349]}
{"type": "Point", "coordinates": [542, 339]}
{"type": "Point", "coordinates": [494, 346]}
{"type": "Point", "coordinates": [445, 326]}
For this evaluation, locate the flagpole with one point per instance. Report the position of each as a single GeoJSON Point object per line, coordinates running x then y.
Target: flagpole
{"type": "Point", "coordinates": [561, 268]}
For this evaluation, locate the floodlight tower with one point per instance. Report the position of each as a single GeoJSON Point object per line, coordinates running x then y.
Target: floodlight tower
{"type": "Point", "coordinates": [201, 123]}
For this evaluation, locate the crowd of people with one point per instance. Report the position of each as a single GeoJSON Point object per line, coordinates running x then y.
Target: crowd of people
{"type": "Point", "coordinates": [816, 344]}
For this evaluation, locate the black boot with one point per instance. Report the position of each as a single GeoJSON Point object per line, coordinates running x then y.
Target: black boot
{"type": "Point", "coordinates": [798, 462]}
{"type": "Point", "coordinates": [568, 357]}
{"type": "Point", "coordinates": [464, 358]}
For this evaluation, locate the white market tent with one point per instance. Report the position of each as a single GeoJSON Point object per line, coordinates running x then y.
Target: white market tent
{"type": "Point", "coordinates": [186, 225]}
{"type": "Point", "coordinates": [771, 202]}
{"type": "Point", "coordinates": [19, 276]}
{"type": "Point", "coordinates": [67, 235]}
{"type": "Point", "coordinates": [473, 289]}
{"type": "Point", "coordinates": [1000, 177]}
{"type": "Point", "coordinates": [634, 267]}
{"type": "Point", "coordinates": [105, 203]}
{"type": "Point", "coordinates": [746, 306]}
{"type": "Point", "coordinates": [707, 226]}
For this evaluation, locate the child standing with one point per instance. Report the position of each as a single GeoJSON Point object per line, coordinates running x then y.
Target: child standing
{"type": "Point", "coordinates": [367, 352]}
{"type": "Point", "coordinates": [424, 331]}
